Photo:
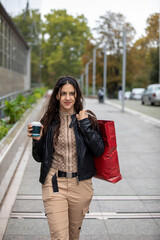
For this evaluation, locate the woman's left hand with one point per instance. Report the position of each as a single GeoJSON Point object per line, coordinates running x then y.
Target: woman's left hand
{"type": "Point", "coordinates": [82, 114]}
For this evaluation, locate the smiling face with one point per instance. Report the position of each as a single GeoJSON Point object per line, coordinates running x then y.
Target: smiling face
{"type": "Point", "coordinates": [67, 98]}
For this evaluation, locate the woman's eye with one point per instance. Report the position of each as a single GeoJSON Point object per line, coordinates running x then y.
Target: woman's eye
{"type": "Point", "coordinates": [70, 94]}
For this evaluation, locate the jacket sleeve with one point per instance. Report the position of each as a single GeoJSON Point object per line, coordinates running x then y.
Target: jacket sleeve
{"type": "Point", "coordinates": [37, 149]}
{"type": "Point", "coordinates": [92, 138]}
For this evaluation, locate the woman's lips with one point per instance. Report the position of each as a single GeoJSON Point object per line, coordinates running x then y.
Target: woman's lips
{"type": "Point", "coordinates": [67, 103]}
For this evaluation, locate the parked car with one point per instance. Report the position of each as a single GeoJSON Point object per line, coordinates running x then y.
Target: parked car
{"type": "Point", "coordinates": [137, 93]}
{"type": "Point", "coordinates": [151, 95]}
{"type": "Point", "coordinates": [127, 95]}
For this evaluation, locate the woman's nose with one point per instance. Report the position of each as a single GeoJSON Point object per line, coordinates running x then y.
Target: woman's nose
{"type": "Point", "coordinates": [67, 96]}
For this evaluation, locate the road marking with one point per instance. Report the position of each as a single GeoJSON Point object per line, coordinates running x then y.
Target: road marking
{"type": "Point", "coordinates": [103, 198]}
{"type": "Point", "coordinates": [92, 215]}
{"type": "Point", "coordinates": [126, 198]}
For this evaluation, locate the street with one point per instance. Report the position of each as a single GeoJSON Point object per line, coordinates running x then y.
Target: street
{"type": "Point", "coordinates": [127, 210]}
{"type": "Point", "coordinates": [152, 111]}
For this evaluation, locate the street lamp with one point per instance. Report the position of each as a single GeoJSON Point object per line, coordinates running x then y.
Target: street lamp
{"type": "Point", "coordinates": [86, 72]}
{"type": "Point", "coordinates": [159, 47]}
{"type": "Point", "coordinates": [82, 82]}
{"type": "Point", "coordinates": [105, 71]}
{"type": "Point", "coordinates": [94, 70]}
{"type": "Point", "coordinates": [124, 68]}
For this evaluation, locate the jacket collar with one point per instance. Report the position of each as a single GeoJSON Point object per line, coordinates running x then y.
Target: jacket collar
{"type": "Point", "coordinates": [73, 117]}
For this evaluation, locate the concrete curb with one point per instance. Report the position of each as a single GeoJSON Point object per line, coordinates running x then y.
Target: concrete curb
{"type": "Point", "coordinates": [13, 190]}
{"type": "Point", "coordinates": [11, 180]}
{"type": "Point", "coordinates": [146, 118]}
{"type": "Point", "coordinates": [8, 167]}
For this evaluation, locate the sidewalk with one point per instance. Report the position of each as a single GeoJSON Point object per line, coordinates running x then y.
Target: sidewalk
{"type": "Point", "coordinates": [127, 210]}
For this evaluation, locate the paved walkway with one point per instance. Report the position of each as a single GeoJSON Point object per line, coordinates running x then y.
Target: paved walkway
{"type": "Point", "coordinates": [128, 210]}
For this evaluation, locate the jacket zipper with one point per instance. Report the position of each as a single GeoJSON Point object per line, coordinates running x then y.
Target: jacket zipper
{"type": "Point", "coordinates": [76, 145]}
{"type": "Point", "coordinates": [76, 154]}
{"type": "Point", "coordinates": [68, 142]}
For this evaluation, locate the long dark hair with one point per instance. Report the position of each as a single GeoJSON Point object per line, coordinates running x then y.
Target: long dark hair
{"type": "Point", "coordinates": [52, 111]}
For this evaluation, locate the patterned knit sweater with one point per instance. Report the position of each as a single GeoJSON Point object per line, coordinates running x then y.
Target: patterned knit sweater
{"type": "Point", "coordinates": [65, 156]}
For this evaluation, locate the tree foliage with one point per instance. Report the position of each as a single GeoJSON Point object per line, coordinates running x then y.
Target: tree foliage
{"type": "Point", "coordinates": [29, 24]}
{"type": "Point", "coordinates": [64, 39]}
{"type": "Point", "coordinates": [152, 30]}
{"type": "Point", "coordinates": [142, 56]}
{"type": "Point", "coordinates": [110, 33]}
{"type": "Point", "coordinates": [62, 44]}
{"type": "Point", "coordinates": [110, 30]}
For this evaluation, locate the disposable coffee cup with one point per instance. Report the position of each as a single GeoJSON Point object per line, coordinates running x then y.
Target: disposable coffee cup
{"type": "Point", "coordinates": [36, 129]}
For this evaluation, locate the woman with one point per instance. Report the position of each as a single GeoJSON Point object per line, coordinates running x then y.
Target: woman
{"type": "Point", "coordinates": [68, 140]}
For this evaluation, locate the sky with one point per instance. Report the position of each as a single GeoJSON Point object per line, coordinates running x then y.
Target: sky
{"type": "Point", "coordinates": [136, 12]}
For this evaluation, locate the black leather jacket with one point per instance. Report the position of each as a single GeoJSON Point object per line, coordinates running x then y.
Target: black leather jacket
{"type": "Point", "coordinates": [89, 143]}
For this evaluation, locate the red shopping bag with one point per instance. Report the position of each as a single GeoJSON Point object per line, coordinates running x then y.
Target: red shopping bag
{"type": "Point", "coordinates": [107, 165]}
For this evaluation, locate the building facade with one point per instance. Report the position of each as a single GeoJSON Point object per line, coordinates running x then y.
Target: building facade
{"type": "Point", "coordinates": [14, 57]}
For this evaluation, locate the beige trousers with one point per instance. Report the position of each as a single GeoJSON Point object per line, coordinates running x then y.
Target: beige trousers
{"type": "Point", "coordinates": [66, 209]}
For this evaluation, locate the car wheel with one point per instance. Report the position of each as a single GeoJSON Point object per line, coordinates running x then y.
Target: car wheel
{"type": "Point", "coordinates": [152, 103]}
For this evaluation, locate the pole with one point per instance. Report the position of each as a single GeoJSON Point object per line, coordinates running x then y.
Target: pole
{"type": "Point", "coordinates": [86, 72]}
{"type": "Point", "coordinates": [94, 71]}
{"type": "Point", "coordinates": [105, 72]}
{"type": "Point", "coordinates": [82, 82]}
{"type": "Point", "coordinates": [124, 68]}
{"type": "Point", "coordinates": [159, 47]}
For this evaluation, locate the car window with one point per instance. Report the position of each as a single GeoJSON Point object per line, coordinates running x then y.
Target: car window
{"type": "Point", "coordinates": [137, 91]}
{"type": "Point", "coordinates": [150, 89]}
{"type": "Point", "coordinates": [157, 88]}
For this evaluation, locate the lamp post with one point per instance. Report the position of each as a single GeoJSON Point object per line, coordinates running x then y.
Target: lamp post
{"type": "Point", "coordinates": [82, 82]}
{"type": "Point", "coordinates": [86, 72]}
{"type": "Point", "coordinates": [159, 47]}
{"type": "Point", "coordinates": [124, 68]}
{"type": "Point", "coordinates": [94, 70]}
{"type": "Point", "coordinates": [105, 72]}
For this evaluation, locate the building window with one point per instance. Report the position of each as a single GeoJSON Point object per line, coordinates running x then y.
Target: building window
{"type": "Point", "coordinates": [0, 42]}
{"type": "Point", "coordinates": [13, 52]}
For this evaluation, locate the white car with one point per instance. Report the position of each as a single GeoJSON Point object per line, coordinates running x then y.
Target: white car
{"type": "Point", "coordinates": [127, 95]}
{"type": "Point", "coordinates": [137, 93]}
{"type": "Point", "coordinates": [151, 95]}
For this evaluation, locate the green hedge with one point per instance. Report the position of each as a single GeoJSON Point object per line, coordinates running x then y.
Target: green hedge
{"type": "Point", "coordinates": [15, 109]}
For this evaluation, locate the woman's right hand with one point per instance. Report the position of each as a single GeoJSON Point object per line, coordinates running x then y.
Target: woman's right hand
{"type": "Point", "coordinates": [30, 134]}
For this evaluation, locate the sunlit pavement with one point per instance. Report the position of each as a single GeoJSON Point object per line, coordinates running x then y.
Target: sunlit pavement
{"type": "Point", "coordinates": [127, 210]}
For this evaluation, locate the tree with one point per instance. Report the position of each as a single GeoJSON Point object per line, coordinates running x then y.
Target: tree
{"type": "Point", "coordinates": [138, 64]}
{"type": "Point", "coordinates": [64, 39]}
{"type": "Point", "coordinates": [152, 30]}
{"type": "Point", "coordinates": [142, 63]}
{"type": "Point", "coordinates": [29, 24]}
{"type": "Point", "coordinates": [110, 32]}
{"type": "Point", "coordinates": [154, 63]}
{"type": "Point", "coordinates": [152, 37]}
